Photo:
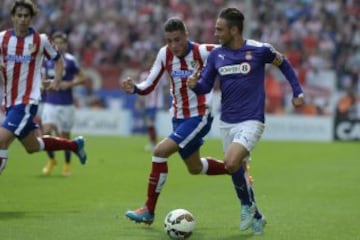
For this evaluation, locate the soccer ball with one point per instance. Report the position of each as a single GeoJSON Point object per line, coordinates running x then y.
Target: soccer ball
{"type": "Point", "coordinates": [179, 224]}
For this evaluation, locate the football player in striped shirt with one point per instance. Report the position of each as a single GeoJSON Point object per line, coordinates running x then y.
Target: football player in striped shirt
{"type": "Point", "coordinates": [22, 50]}
{"type": "Point", "coordinates": [191, 113]}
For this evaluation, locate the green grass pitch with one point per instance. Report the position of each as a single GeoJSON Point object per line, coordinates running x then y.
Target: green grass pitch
{"type": "Point", "coordinates": [307, 190]}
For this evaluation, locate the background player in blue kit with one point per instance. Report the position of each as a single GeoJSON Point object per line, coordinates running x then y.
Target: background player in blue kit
{"type": "Point", "coordinates": [240, 66]}
{"type": "Point", "coordinates": [58, 106]}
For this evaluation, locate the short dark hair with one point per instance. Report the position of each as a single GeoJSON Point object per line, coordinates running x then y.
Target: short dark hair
{"type": "Point", "coordinates": [26, 4]}
{"type": "Point", "coordinates": [175, 24]}
{"type": "Point", "coordinates": [59, 34]}
{"type": "Point", "coordinates": [233, 17]}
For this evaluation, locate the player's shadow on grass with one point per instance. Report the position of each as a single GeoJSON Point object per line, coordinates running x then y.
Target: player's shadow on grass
{"type": "Point", "coordinates": [22, 214]}
{"type": "Point", "coordinates": [11, 215]}
{"type": "Point", "coordinates": [238, 237]}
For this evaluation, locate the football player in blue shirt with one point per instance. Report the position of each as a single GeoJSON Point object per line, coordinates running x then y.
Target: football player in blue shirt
{"type": "Point", "coordinates": [58, 112]}
{"type": "Point", "coordinates": [240, 66]}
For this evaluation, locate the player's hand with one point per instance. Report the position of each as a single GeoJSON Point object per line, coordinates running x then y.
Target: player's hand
{"type": "Point", "coordinates": [298, 101]}
{"type": "Point", "coordinates": [65, 85]}
{"type": "Point", "coordinates": [128, 85]}
{"type": "Point", "coordinates": [45, 83]}
{"type": "Point", "coordinates": [192, 80]}
{"type": "Point", "coordinates": [53, 85]}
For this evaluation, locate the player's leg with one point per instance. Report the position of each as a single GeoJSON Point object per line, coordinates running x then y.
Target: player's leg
{"type": "Point", "coordinates": [47, 129]}
{"type": "Point", "coordinates": [6, 138]}
{"type": "Point", "coordinates": [238, 142]}
{"type": "Point", "coordinates": [150, 114]}
{"type": "Point", "coordinates": [157, 179]}
{"type": "Point", "coordinates": [189, 136]}
{"type": "Point", "coordinates": [66, 171]}
{"type": "Point", "coordinates": [49, 115]}
{"type": "Point", "coordinates": [8, 131]}
{"type": "Point", "coordinates": [65, 123]}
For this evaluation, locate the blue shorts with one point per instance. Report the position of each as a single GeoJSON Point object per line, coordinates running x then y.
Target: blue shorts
{"type": "Point", "coordinates": [189, 133]}
{"type": "Point", "coordinates": [19, 119]}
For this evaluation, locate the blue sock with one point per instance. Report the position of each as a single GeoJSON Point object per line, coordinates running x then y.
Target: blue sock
{"type": "Point", "coordinates": [258, 214]}
{"type": "Point", "coordinates": [51, 154]}
{"type": "Point", "coordinates": [67, 156]}
{"type": "Point", "coordinates": [242, 188]}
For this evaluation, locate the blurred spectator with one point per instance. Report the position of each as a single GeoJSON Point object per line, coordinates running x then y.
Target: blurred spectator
{"type": "Point", "coordinates": [314, 35]}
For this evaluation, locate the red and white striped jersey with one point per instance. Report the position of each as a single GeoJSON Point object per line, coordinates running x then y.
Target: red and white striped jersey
{"type": "Point", "coordinates": [23, 57]}
{"type": "Point", "coordinates": [185, 103]}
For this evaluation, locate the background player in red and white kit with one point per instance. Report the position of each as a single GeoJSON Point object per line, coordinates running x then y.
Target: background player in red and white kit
{"type": "Point", "coordinates": [239, 64]}
{"type": "Point", "coordinates": [22, 50]}
{"type": "Point", "coordinates": [191, 113]}
{"type": "Point", "coordinates": [58, 113]}
{"type": "Point", "coordinates": [149, 104]}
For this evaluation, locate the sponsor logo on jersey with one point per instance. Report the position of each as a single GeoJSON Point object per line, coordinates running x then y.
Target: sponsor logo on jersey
{"type": "Point", "coordinates": [19, 58]}
{"type": "Point", "coordinates": [242, 68]}
{"type": "Point", "coordinates": [32, 48]}
{"type": "Point", "coordinates": [181, 73]}
{"type": "Point", "coordinates": [248, 55]}
{"type": "Point", "coordinates": [222, 56]}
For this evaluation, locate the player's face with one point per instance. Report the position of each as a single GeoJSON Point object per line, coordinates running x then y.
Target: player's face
{"type": "Point", "coordinates": [222, 32]}
{"type": "Point", "coordinates": [21, 20]}
{"type": "Point", "coordinates": [60, 44]}
{"type": "Point", "coordinates": [177, 42]}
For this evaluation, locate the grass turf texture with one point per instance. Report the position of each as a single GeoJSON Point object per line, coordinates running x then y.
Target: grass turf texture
{"type": "Point", "coordinates": [306, 190]}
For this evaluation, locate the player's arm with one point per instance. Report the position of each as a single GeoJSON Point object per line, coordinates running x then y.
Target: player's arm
{"type": "Point", "coordinates": [79, 79]}
{"type": "Point", "coordinates": [149, 84]}
{"type": "Point", "coordinates": [285, 67]}
{"type": "Point", "coordinates": [59, 69]}
{"type": "Point", "coordinates": [202, 80]}
{"type": "Point", "coordinates": [51, 52]}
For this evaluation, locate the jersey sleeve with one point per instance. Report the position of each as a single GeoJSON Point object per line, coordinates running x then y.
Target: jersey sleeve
{"type": "Point", "coordinates": [50, 50]}
{"type": "Point", "coordinates": [271, 55]}
{"type": "Point", "coordinates": [155, 73]}
{"type": "Point", "coordinates": [276, 58]}
{"type": "Point", "coordinates": [207, 76]}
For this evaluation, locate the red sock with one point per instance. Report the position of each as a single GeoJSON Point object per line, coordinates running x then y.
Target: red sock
{"type": "Point", "coordinates": [157, 180]}
{"type": "Point", "coordinates": [55, 143]}
{"type": "Point", "coordinates": [216, 167]}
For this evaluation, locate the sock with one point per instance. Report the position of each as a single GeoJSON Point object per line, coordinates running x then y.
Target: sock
{"type": "Point", "coordinates": [51, 154]}
{"type": "Point", "coordinates": [67, 156]}
{"type": "Point", "coordinates": [3, 159]}
{"type": "Point", "coordinates": [152, 134]}
{"type": "Point", "coordinates": [55, 143]}
{"type": "Point", "coordinates": [212, 166]}
{"type": "Point", "coordinates": [242, 187]}
{"type": "Point", "coordinates": [156, 182]}
{"type": "Point", "coordinates": [258, 214]}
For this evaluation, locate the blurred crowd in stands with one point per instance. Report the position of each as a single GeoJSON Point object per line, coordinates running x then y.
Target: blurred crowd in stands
{"type": "Point", "coordinates": [320, 38]}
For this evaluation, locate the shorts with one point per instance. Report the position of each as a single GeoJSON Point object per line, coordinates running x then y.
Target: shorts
{"type": "Point", "coordinates": [247, 133]}
{"type": "Point", "coordinates": [19, 119]}
{"type": "Point", "coordinates": [188, 133]}
{"type": "Point", "coordinates": [62, 116]}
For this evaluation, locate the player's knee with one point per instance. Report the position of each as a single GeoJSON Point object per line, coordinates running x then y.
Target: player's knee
{"type": "Point", "coordinates": [194, 170]}
{"type": "Point", "coordinates": [31, 150]}
{"type": "Point", "coordinates": [231, 166]}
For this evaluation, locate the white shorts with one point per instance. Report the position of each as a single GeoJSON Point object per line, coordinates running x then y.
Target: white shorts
{"type": "Point", "coordinates": [247, 133]}
{"type": "Point", "coordinates": [62, 116]}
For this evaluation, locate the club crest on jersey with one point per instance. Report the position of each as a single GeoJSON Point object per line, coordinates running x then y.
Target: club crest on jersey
{"type": "Point", "coordinates": [193, 64]}
{"type": "Point", "coordinates": [32, 48]}
{"type": "Point", "coordinates": [242, 68]}
{"type": "Point", "coordinates": [248, 55]}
